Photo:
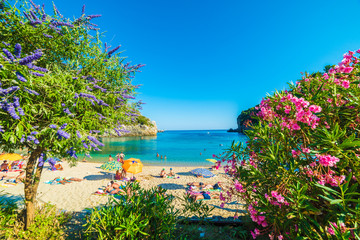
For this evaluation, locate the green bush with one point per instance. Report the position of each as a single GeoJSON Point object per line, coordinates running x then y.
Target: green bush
{"type": "Point", "coordinates": [142, 214]}
{"type": "Point", "coordinates": [48, 223]}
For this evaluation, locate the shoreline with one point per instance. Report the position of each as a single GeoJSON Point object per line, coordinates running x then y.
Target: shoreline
{"type": "Point", "coordinates": [78, 196]}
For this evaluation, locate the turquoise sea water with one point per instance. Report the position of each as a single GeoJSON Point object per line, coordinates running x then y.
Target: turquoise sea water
{"type": "Point", "coordinates": [182, 148]}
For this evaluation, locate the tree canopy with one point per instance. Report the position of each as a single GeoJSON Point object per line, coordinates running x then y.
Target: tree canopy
{"type": "Point", "coordinates": [60, 87]}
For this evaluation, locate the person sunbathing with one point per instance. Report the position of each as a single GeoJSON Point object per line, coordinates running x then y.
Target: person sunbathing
{"type": "Point", "coordinates": [163, 173]}
{"type": "Point", "coordinates": [205, 195]}
{"type": "Point", "coordinates": [63, 181]}
{"type": "Point", "coordinates": [2, 175]}
{"type": "Point", "coordinates": [118, 175]}
{"type": "Point", "coordinates": [114, 188]}
{"type": "Point", "coordinates": [20, 177]}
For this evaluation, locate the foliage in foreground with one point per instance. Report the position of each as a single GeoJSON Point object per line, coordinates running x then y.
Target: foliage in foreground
{"type": "Point", "coordinates": [142, 214]}
{"type": "Point", "coordinates": [300, 171]}
{"type": "Point", "coordinates": [48, 224]}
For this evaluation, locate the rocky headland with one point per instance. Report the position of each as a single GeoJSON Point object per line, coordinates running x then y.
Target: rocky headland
{"type": "Point", "coordinates": [245, 120]}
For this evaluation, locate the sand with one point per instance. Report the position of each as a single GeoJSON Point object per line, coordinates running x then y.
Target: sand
{"type": "Point", "coordinates": [77, 196]}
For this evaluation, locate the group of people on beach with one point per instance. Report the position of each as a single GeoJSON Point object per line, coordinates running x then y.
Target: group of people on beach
{"type": "Point", "coordinates": [163, 174]}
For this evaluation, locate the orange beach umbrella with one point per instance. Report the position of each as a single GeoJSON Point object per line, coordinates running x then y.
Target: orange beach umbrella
{"type": "Point", "coordinates": [10, 157]}
{"type": "Point", "coordinates": [133, 165]}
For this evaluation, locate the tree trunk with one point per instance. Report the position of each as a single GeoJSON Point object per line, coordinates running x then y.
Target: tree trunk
{"type": "Point", "coordinates": [32, 180]}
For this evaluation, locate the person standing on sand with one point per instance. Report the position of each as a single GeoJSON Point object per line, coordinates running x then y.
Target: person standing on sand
{"type": "Point", "coordinates": [165, 157]}
{"type": "Point", "coordinates": [110, 158]}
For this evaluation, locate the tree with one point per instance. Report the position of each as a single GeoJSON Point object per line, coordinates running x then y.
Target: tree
{"type": "Point", "coordinates": [59, 88]}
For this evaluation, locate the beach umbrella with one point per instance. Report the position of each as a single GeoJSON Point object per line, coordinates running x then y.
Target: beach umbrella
{"type": "Point", "coordinates": [10, 157]}
{"type": "Point", "coordinates": [133, 165]}
{"type": "Point", "coordinates": [202, 172]}
{"type": "Point", "coordinates": [211, 160]}
{"type": "Point", "coordinates": [111, 166]}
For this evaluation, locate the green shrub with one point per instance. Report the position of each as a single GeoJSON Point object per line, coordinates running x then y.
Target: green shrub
{"type": "Point", "coordinates": [141, 214]}
{"type": "Point", "coordinates": [48, 223]}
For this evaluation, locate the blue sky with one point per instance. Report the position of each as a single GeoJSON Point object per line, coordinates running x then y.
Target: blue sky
{"type": "Point", "coordinates": [208, 60]}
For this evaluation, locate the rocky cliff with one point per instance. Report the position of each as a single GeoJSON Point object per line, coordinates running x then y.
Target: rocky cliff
{"type": "Point", "coordinates": [136, 130]}
{"type": "Point", "coordinates": [245, 120]}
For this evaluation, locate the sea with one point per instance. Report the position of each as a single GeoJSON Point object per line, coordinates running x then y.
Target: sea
{"type": "Point", "coordinates": [181, 148]}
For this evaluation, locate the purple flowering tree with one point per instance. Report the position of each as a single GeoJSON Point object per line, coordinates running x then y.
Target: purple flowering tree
{"type": "Point", "coordinates": [60, 89]}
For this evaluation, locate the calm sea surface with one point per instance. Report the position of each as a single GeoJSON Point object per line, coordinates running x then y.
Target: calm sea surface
{"type": "Point", "coordinates": [182, 148]}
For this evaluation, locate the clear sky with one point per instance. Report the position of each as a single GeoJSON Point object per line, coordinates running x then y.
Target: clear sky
{"type": "Point", "coordinates": [208, 60]}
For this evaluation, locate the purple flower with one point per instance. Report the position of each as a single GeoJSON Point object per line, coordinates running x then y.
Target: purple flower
{"type": "Point", "coordinates": [74, 78]}
{"type": "Point", "coordinates": [88, 155]}
{"type": "Point", "coordinates": [63, 104]}
{"type": "Point", "coordinates": [20, 111]}
{"type": "Point", "coordinates": [34, 133]}
{"type": "Point", "coordinates": [72, 153]}
{"type": "Point", "coordinates": [30, 138]}
{"type": "Point", "coordinates": [20, 77]}
{"type": "Point", "coordinates": [53, 126]}
{"type": "Point", "coordinates": [67, 111]}
{"type": "Point", "coordinates": [63, 134]}
{"type": "Point", "coordinates": [36, 74]}
{"type": "Point", "coordinates": [93, 16]}
{"type": "Point", "coordinates": [85, 146]}
{"type": "Point", "coordinates": [43, 18]}
{"type": "Point", "coordinates": [36, 141]}
{"type": "Point", "coordinates": [76, 96]}
{"type": "Point", "coordinates": [30, 65]}
{"type": "Point", "coordinates": [16, 102]}
{"type": "Point", "coordinates": [78, 134]}
{"type": "Point", "coordinates": [127, 96]}
{"type": "Point", "coordinates": [112, 51]}
{"type": "Point", "coordinates": [34, 5]}
{"type": "Point", "coordinates": [63, 126]}
{"type": "Point", "coordinates": [22, 139]}
{"type": "Point", "coordinates": [47, 35]}
{"type": "Point", "coordinates": [8, 54]}
{"type": "Point", "coordinates": [98, 87]}
{"type": "Point", "coordinates": [9, 90]}
{"type": "Point", "coordinates": [94, 140]}
{"type": "Point", "coordinates": [41, 160]}
{"type": "Point", "coordinates": [93, 28]}
{"type": "Point", "coordinates": [34, 15]}
{"type": "Point", "coordinates": [6, 44]}
{"type": "Point", "coordinates": [17, 50]}
{"type": "Point", "coordinates": [28, 59]}
{"type": "Point", "coordinates": [56, 24]}
{"type": "Point", "coordinates": [31, 91]}
{"type": "Point", "coordinates": [88, 88]}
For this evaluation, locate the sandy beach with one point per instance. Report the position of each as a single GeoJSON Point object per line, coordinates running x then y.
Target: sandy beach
{"type": "Point", "coordinates": [77, 196]}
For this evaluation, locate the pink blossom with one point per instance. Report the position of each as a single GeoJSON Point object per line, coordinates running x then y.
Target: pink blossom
{"type": "Point", "coordinates": [332, 71]}
{"type": "Point", "coordinates": [327, 160]}
{"type": "Point", "coordinates": [329, 100]}
{"type": "Point", "coordinates": [326, 76]}
{"type": "Point", "coordinates": [253, 234]}
{"type": "Point", "coordinates": [345, 84]}
{"type": "Point", "coordinates": [280, 237]}
{"type": "Point", "coordinates": [315, 109]}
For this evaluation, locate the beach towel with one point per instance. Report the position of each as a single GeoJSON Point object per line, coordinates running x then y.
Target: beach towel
{"type": "Point", "coordinates": [173, 177]}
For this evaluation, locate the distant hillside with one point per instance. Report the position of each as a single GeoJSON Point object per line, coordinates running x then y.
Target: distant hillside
{"type": "Point", "coordinates": [245, 120]}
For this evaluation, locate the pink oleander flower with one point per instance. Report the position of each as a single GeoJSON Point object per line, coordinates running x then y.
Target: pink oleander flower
{"type": "Point", "coordinates": [329, 100]}
{"type": "Point", "coordinates": [253, 234]}
{"type": "Point", "coordinates": [327, 160]}
{"type": "Point", "coordinates": [315, 109]}
{"type": "Point", "coordinates": [280, 237]}
{"type": "Point", "coordinates": [313, 164]}
{"type": "Point", "coordinates": [332, 71]}
{"type": "Point", "coordinates": [345, 84]}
